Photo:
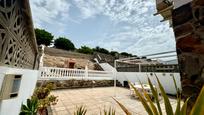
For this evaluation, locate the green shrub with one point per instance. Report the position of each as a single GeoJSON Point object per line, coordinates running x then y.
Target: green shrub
{"type": "Point", "coordinates": [85, 50]}
{"type": "Point", "coordinates": [43, 37]}
{"type": "Point", "coordinates": [64, 43]}
{"type": "Point", "coordinates": [39, 101]}
{"type": "Point", "coordinates": [101, 50]}
{"type": "Point", "coordinates": [126, 54]}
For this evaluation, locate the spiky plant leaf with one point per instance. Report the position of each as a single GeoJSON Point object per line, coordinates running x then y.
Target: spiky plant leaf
{"type": "Point", "coordinates": [143, 101]}
{"type": "Point", "coordinates": [30, 108]}
{"type": "Point", "coordinates": [178, 95]}
{"type": "Point", "coordinates": [168, 107]}
{"type": "Point", "coordinates": [184, 107]}
{"type": "Point", "coordinates": [111, 111]}
{"type": "Point", "coordinates": [152, 106]}
{"type": "Point", "coordinates": [123, 107]}
{"type": "Point", "coordinates": [176, 87]}
{"type": "Point", "coordinates": [198, 108]}
{"type": "Point", "coordinates": [156, 96]}
{"type": "Point", "coordinates": [80, 111]}
{"type": "Point", "coordinates": [178, 107]}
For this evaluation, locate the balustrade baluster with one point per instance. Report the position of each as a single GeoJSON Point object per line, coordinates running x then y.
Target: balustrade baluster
{"type": "Point", "coordinates": [60, 73]}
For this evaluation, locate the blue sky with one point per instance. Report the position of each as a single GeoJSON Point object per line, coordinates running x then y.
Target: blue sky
{"type": "Point", "coordinates": [121, 25]}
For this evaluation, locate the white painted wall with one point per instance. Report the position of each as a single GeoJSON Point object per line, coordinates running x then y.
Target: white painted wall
{"type": "Point", "coordinates": [166, 80]}
{"type": "Point", "coordinates": [28, 82]}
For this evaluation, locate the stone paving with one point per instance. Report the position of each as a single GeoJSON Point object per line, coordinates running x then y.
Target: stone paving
{"type": "Point", "coordinates": [97, 99]}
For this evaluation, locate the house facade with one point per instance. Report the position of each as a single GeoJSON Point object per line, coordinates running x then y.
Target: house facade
{"type": "Point", "coordinates": [18, 55]}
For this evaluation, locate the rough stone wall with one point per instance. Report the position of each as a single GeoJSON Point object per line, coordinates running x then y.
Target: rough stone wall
{"type": "Point", "coordinates": [58, 61]}
{"type": "Point", "coordinates": [67, 54]}
{"type": "Point", "coordinates": [188, 25]}
{"type": "Point", "coordinates": [71, 84]}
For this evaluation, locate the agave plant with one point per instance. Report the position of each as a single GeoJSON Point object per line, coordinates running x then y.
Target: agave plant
{"type": "Point", "coordinates": [80, 111]}
{"type": "Point", "coordinates": [83, 111]}
{"type": "Point", "coordinates": [39, 101]}
{"type": "Point", "coordinates": [152, 109]}
{"type": "Point", "coordinates": [111, 111]}
{"type": "Point", "coordinates": [30, 108]}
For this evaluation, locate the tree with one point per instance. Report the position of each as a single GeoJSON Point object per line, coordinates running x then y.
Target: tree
{"type": "Point", "coordinates": [43, 37]}
{"type": "Point", "coordinates": [126, 54]}
{"type": "Point", "coordinates": [85, 50]}
{"type": "Point", "coordinates": [101, 50]}
{"type": "Point", "coordinates": [114, 53]}
{"type": "Point", "coordinates": [64, 43]}
{"type": "Point", "coordinates": [144, 57]}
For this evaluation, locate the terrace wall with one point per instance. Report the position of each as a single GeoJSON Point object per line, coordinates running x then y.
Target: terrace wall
{"type": "Point", "coordinates": [28, 82]}
{"type": "Point", "coordinates": [166, 79]}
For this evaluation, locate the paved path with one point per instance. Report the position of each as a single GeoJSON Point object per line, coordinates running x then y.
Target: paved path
{"type": "Point", "coordinates": [96, 100]}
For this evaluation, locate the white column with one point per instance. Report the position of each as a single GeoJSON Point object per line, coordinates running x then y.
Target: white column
{"type": "Point", "coordinates": [86, 71]}
{"type": "Point", "coordinates": [139, 67]}
{"type": "Point", "coordinates": [42, 55]}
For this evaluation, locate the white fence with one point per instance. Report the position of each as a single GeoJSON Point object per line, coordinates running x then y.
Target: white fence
{"type": "Point", "coordinates": [50, 73]}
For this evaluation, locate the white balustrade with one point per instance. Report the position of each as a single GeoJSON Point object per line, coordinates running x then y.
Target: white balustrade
{"type": "Point", "coordinates": [50, 73]}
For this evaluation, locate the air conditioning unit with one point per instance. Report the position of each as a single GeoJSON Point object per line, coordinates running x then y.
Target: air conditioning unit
{"type": "Point", "coordinates": [10, 86]}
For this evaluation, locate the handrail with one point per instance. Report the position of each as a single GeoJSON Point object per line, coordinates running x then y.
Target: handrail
{"type": "Point", "coordinates": [67, 73]}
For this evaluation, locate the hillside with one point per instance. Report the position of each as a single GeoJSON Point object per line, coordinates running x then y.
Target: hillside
{"type": "Point", "coordinates": [68, 54]}
{"type": "Point", "coordinates": [56, 57]}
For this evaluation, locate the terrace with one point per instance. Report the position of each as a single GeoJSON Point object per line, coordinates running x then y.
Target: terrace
{"type": "Point", "coordinates": [20, 68]}
{"type": "Point", "coordinates": [97, 99]}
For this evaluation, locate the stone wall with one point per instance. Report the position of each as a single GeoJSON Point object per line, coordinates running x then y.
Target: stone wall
{"type": "Point", "coordinates": [188, 25]}
{"type": "Point", "coordinates": [67, 54]}
{"type": "Point", "coordinates": [58, 61]}
{"type": "Point", "coordinates": [70, 84]}
{"type": "Point", "coordinates": [54, 57]}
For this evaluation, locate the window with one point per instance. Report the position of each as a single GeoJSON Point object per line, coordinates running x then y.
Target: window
{"type": "Point", "coordinates": [10, 86]}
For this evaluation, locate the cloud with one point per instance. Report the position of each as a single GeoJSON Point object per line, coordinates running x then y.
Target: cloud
{"type": "Point", "coordinates": [47, 12]}
{"type": "Point", "coordinates": [142, 34]}
{"type": "Point", "coordinates": [146, 40]}
{"type": "Point", "coordinates": [90, 8]}
{"type": "Point", "coordinates": [116, 10]}
{"type": "Point", "coordinates": [134, 28]}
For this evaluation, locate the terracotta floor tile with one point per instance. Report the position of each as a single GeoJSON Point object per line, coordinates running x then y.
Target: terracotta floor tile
{"type": "Point", "coordinates": [98, 99]}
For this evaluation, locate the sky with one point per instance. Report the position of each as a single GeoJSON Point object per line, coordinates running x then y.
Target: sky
{"type": "Point", "coordinates": [119, 25]}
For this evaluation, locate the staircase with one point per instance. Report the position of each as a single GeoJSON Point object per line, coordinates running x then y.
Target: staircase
{"type": "Point", "coordinates": [106, 62]}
